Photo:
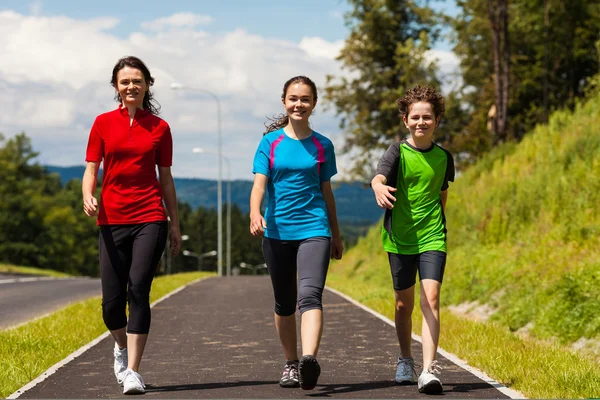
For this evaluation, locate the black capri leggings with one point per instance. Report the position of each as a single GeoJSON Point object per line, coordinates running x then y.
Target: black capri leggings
{"type": "Point", "coordinates": [306, 259]}
{"type": "Point", "coordinates": [129, 255]}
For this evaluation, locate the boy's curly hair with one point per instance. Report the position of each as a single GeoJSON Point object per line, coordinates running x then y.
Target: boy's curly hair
{"type": "Point", "coordinates": [426, 94]}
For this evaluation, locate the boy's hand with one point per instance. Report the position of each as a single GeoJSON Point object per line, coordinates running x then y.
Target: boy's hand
{"type": "Point", "coordinates": [383, 195]}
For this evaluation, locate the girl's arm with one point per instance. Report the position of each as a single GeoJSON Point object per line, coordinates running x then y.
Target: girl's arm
{"type": "Point", "coordinates": [337, 247]}
{"type": "Point", "coordinates": [257, 222]}
{"type": "Point", "coordinates": [170, 197]}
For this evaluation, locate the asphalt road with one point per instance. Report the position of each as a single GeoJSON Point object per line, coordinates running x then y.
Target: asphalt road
{"type": "Point", "coordinates": [23, 298]}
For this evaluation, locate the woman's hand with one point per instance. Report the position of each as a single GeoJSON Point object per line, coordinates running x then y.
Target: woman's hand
{"type": "Point", "coordinates": [90, 206]}
{"type": "Point", "coordinates": [175, 240]}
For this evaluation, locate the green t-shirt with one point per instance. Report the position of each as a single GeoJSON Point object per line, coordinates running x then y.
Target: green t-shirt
{"type": "Point", "coordinates": [416, 223]}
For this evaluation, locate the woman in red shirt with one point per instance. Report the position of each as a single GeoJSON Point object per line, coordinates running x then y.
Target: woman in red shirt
{"type": "Point", "coordinates": [130, 142]}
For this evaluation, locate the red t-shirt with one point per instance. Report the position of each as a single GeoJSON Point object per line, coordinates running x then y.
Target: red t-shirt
{"type": "Point", "coordinates": [131, 193]}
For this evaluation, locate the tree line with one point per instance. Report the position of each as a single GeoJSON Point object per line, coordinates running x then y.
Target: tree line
{"type": "Point", "coordinates": [42, 223]}
{"type": "Point", "coordinates": [520, 60]}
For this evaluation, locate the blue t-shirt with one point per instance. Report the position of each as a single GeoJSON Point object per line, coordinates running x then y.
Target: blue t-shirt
{"type": "Point", "coordinates": [296, 208]}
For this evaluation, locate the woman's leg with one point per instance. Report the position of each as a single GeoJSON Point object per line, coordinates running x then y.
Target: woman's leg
{"type": "Point", "coordinates": [148, 245]}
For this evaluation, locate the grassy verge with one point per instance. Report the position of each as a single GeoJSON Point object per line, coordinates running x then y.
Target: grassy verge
{"type": "Point", "coordinates": [536, 369]}
{"type": "Point", "coordinates": [30, 349]}
{"type": "Point", "coordinates": [13, 269]}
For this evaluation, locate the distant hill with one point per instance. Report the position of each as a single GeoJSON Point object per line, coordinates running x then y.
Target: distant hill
{"type": "Point", "coordinates": [355, 203]}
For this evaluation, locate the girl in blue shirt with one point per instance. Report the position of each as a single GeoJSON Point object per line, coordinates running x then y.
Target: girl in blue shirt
{"type": "Point", "coordinates": [295, 164]}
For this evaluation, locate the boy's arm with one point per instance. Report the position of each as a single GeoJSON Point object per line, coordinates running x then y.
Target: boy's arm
{"type": "Point", "coordinates": [444, 197]}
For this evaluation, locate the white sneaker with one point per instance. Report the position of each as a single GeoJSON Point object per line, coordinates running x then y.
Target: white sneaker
{"type": "Point", "coordinates": [133, 383]}
{"type": "Point", "coordinates": [120, 365]}
{"type": "Point", "coordinates": [405, 371]}
{"type": "Point", "coordinates": [429, 383]}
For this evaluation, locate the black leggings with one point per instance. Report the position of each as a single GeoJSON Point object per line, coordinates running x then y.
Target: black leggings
{"type": "Point", "coordinates": [129, 255]}
{"type": "Point", "coordinates": [309, 260]}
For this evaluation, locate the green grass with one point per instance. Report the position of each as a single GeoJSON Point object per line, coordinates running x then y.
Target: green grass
{"type": "Point", "coordinates": [30, 349]}
{"type": "Point", "coordinates": [14, 269]}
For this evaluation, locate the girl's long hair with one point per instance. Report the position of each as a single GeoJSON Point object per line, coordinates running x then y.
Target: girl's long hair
{"type": "Point", "coordinates": [281, 120]}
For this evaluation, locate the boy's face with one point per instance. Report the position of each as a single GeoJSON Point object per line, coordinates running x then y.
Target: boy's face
{"type": "Point", "coordinates": [421, 121]}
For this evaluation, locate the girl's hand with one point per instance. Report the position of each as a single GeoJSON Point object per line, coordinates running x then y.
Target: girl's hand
{"type": "Point", "coordinates": [337, 248]}
{"type": "Point", "coordinates": [383, 195]}
{"type": "Point", "coordinates": [257, 225]}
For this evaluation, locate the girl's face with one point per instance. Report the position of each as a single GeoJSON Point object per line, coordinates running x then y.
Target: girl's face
{"type": "Point", "coordinates": [299, 101]}
{"type": "Point", "coordinates": [132, 86]}
{"type": "Point", "coordinates": [421, 121]}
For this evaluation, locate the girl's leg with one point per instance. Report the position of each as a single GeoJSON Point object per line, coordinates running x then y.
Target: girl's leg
{"type": "Point", "coordinates": [148, 245]}
{"type": "Point", "coordinates": [280, 257]}
{"type": "Point", "coordinates": [313, 263]}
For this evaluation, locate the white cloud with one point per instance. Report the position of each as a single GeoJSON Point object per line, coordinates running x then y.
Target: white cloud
{"type": "Point", "coordinates": [178, 20]}
{"type": "Point", "coordinates": [35, 8]}
{"type": "Point", "coordinates": [55, 73]}
{"type": "Point", "coordinates": [449, 68]}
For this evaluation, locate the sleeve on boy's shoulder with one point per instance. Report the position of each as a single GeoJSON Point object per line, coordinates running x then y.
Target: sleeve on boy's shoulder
{"type": "Point", "coordinates": [389, 163]}
{"type": "Point", "coordinates": [260, 164]}
{"type": "Point", "coordinates": [329, 166]}
{"type": "Point", "coordinates": [449, 170]}
{"type": "Point", "coordinates": [95, 146]}
{"type": "Point", "coordinates": [164, 152]}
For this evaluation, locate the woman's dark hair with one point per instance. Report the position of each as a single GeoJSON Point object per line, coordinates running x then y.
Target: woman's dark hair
{"type": "Point", "coordinates": [427, 94]}
{"type": "Point", "coordinates": [133, 62]}
{"type": "Point", "coordinates": [282, 120]}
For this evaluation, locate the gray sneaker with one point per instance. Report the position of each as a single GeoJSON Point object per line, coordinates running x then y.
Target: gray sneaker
{"type": "Point", "coordinates": [405, 371]}
{"type": "Point", "coordinates": [429, 383]}
{"type": "Point", "coordinates": [120, 364]}
{"type": "Point", "coordinates": [289, 378]}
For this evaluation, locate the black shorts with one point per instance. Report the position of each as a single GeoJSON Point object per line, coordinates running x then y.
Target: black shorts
{"type": "Point", "coordinates": [430, 265]}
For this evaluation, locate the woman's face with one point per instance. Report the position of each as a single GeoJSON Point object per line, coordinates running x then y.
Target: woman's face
{"type": "Point", "coordinates": [421, 120]}
{"type": "Point", "coordinates": [132, 86]}
{"type": "Point", "coordinates": [299, 101]}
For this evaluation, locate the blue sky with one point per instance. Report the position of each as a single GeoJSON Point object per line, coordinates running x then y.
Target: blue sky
{"type": "Point", "coordinates": [56, 57]}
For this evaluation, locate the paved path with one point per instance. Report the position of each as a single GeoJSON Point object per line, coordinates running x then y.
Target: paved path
{"type": "Point", "coordinates": [216, 339]}
{"type": "Point", "coordinates": [23, 298]}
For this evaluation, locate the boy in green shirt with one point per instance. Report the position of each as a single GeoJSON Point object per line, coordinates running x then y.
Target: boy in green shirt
{"type": "Point", "coordinates": [411, 184]}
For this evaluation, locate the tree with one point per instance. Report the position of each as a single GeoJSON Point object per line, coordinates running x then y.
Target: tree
{"type": "Point", "coordinates": [501, 48]}
{"type": "Point", "coordinates": [384, 55]}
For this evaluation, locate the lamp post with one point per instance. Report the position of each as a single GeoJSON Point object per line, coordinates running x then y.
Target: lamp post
{"type": "Point", "coordinates": [199, 257]}
{"type": "Point", "coordinates": [228, 263]}
{"type": "Point", "coordinates": [178, 86]}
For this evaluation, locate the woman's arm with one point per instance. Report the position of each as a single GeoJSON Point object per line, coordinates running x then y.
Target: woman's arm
{"type": "Point", "coordinates": [88, 187]}
{"type": "Point", "coordinates": [170, 197]}
{"type": "Point", "coordinates": [337, 247]}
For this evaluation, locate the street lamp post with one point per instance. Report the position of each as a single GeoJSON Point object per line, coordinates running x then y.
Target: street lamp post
{"type": "Point", "coordinates": [176, 86]}
{"type": "Point", "coordinates": [199, 257]}
{"type": "Point", "coordinates": [228, 263]}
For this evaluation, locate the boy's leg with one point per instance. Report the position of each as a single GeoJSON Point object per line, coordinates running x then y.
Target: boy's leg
{"type": "Point", "coordinates": [404, 272]}
{"type": "Point", "coordinates": [405, 301]}
{"type": "Point", "coordinates": [431, 272]}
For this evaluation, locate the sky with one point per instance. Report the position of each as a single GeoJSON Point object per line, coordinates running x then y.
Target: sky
{"type": "Point", "coordinates": [56, 59]}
